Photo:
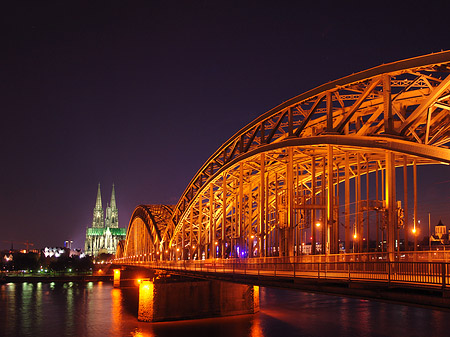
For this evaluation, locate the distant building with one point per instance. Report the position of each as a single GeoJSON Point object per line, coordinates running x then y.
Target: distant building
{"type": "Point", "coordinates": [105, 233]}
{"type": "Point", "coordinates": [440, 233]}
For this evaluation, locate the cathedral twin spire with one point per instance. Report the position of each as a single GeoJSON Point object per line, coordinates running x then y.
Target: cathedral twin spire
{"type": "Point", "coordinates": [111, 218]}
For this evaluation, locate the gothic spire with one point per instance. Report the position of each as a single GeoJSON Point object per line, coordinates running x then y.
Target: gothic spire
{"type": "Point", "coordinates": [98, 203]}
{"type": "Point", "coordinates": [113, 199]}
{"type": "Point", "coordinates": [97, 220]}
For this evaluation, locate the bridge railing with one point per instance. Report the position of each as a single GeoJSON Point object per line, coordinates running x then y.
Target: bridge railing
{"type": "Point", "coordinates": [430, 274]}
{"type": "Point", "coordinates": [402, 256]}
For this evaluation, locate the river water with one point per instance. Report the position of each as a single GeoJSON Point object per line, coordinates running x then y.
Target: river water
{"type": "Point", "coordinates": [97, 309]}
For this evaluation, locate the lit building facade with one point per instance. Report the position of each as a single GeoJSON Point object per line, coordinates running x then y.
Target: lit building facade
{"type": "Point", "coordinates": [440, 234]}
{"type": "Point", "coordinates": [105, 234]}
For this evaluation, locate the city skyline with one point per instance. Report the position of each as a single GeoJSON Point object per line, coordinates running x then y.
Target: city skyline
{"type": "Point", "coordinates": [141, 95]}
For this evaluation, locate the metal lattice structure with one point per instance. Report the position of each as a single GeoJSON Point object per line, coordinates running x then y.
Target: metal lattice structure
{"type": "Point", "coordinates": [144, 233]}
{"type": "Point", "coordinates": [325, 157]}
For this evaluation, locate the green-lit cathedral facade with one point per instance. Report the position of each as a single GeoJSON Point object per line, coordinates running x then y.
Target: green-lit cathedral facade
{"type": "Point", "coordinates": [105, 234]}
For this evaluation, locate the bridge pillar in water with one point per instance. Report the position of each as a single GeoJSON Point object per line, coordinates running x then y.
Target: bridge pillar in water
{"type": "Point", "coordinates": [116, 278]}
{"type": "Point", "coordinates": [129, 278]}
{"type": "Point", "coordinates": [190, 299]}
{"type": "Point", "coordinates": [146, 296]}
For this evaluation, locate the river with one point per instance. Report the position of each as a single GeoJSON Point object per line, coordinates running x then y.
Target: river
{"type": "Point", "coordinates": [98, 309]}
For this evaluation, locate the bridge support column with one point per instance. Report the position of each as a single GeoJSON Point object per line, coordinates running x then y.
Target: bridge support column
{"type": "Point", "coordinates": [290, 204]}
{"type": "Point", "coordinates": [390, 203]}
{"type": "Point", "coordinates": [190, 298]}
{"type": "Point", "coordinates": [262, 209]}
{"type": "Point", "coordinates": [347, 202]}
{"type": "Point", "coordinates": [116, 278]}
{"type": "Point", "coordinates": [224, 215]}
{"type": "Point", "coordinates": [333, 229]}
{"type": "Point", "coordinates": [146, 294]}
{"type": "Point", "coordinates": [313, 202]}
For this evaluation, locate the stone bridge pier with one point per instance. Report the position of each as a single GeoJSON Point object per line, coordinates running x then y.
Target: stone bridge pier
{"type": "Point", "coordinates": [168, 297]}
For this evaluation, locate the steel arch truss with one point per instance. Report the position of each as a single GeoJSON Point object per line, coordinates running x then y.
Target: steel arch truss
{"type": "Point", "coordinates": [274, 197]}
{"type": "Point", "coordinates": [290, 169]}
{"type": "Point", "coordinates": [144, 234]}
{"type": "Point", "coordinates": [407, 100]}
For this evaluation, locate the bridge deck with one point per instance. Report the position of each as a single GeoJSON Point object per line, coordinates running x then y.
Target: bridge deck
{"type": "Point", "coordinates": [424, 283]}
{"type": "Point", "coordinates": [424, 274]}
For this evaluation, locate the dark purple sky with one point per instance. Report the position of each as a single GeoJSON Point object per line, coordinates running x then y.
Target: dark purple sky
{"type": "Point", "coordinates": [142, 93]}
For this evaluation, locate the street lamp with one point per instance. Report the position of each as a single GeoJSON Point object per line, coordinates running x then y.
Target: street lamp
{"type": "Point", "coordinates": [429, 231]}
{"type": "Point", "coordinates": [415, 231]}
{"type": "Point", "coordinates": [318, 224]}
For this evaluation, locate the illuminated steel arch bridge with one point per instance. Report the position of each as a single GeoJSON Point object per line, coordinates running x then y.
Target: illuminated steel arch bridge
{"type": "Point", "coordinates": [319, 168]}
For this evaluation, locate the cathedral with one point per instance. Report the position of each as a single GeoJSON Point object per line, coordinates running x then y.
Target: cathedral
{"type": "Point", "coordinates": [105, 234]}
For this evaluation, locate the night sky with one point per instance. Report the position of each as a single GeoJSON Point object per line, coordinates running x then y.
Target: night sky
{"type": "Point", "coordinates": [140, 94]}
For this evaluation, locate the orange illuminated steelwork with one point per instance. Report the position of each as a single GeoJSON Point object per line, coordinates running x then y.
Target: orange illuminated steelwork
{"type": "Point", "coordinates": [276, 176]}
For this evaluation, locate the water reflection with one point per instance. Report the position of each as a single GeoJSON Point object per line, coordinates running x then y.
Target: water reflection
{"type": "Point", "coordinates": [37, 295]}
{"type": "Point", "coordinates": [93, 309]}
{"type": "Point", "coordinates": [70, 317]}
{"type": "Point", "coordinates": [116, 301]}
{"type": "Point", "coordinates": [256, 329]}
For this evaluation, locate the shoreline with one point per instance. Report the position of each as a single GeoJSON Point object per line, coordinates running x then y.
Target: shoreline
{"type": "Point", "coordinates": [59, 278]}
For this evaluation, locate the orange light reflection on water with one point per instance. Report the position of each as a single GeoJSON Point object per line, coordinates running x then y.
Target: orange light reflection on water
{"type": "Point", "coordinates": [256, 329]}
{"type": "Point", "coordinates": [116, 299]}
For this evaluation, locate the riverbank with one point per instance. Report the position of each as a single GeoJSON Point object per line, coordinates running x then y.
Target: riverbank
{"type": "Point", "coordinates": [54, 278]}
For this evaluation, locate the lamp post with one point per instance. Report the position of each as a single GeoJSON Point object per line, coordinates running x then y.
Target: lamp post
{"type": "Point", "coordinates": [318, 227]}
{"type": "Point", "coordinates": [415, 232]}
{"type": "Point", "coordinates": [429, 231]}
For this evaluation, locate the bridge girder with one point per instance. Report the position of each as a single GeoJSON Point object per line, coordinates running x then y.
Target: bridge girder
{"type": "Point", "coordinates": [407, 100]}
{"type": "Point", "coordinates": [276, 177]}
{"type": "Point", "coordinates": [145, 229]}
{"type": "Point", "coordinates": [255, 211]}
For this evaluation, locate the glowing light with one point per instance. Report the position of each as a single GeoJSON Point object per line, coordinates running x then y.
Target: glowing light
{"type": "Point", "coordinates": [138, 281]}
{"type": "Point", "coordinates": [318, 224]}
{"type": "Point", "coordinates": [145, 310]}
{"type": "Point", "coordinates": [217, 243]}
{"type": "Point", "coordinates": [116, 282]}
{"type": "Point", "coordinates": [355, 236]}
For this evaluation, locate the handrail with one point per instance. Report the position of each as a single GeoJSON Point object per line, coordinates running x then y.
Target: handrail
{"type": "Point", "coordinates": [429, 274]}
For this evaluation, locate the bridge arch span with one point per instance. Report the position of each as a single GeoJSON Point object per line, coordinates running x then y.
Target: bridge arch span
{"type": "Point", "coordinates": [320, 165]}
{"type": "Point", "coordinates": [354, 106]}
{"type": "Point", "coordinates": [362, 126]}
{"type": "Point", "coordinates": [144, 233]}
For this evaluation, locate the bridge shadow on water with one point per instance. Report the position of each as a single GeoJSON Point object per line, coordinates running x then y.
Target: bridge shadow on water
{"type": "Point", "coordinates": [295, 313]}
{"type": "Point", "coordinates": [130, 300]}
